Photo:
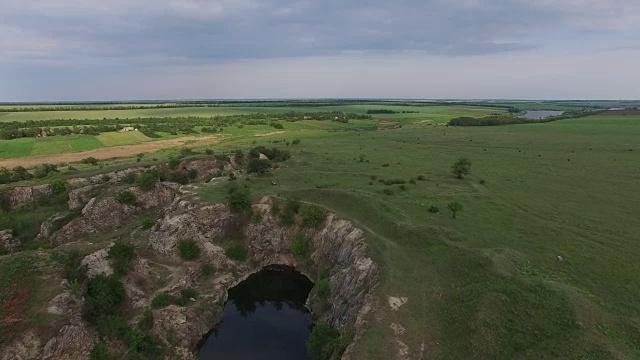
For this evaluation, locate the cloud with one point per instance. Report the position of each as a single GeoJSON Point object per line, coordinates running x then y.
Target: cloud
{"type": "Point", "coordinates": [136, 35]}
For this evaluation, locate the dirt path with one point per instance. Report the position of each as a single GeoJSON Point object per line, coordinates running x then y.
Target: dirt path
{"type": "Point", "coordinates": [110, 152]}
{"type": "Point", "coordinates": [272, 133]}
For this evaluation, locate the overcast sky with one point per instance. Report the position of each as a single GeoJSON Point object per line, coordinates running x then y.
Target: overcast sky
{"type": "Point", "coordinates": [194, 49]}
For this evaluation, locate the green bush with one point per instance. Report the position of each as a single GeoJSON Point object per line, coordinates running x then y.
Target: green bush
{"type": "Point", "coordinates": [126, 197]}
{"type": "Point", "coordinates": [121, 256]}
{"type": "Point", "coordinates": [146, 321]}
{"type": "Point", "coordinates": [130, 178]}
{"type": "Point", "coordinates": [403, 187]}
{"type": "Point", "coordinates": [461, 168]}
{"type": "Point", "coordinates": [259, 166]}
{"type": "Point", "coordinates": [148, 222]}
{"type": "Point", "coordinates": [295, 142]}
{"type": "Point", "coordinates": [207, 269]}
{"type": "Point", "coordinates": [186, 295]}
{"type": "Point", "coordinates": [433, 209]}
{"type": "Point", "coordinates": [237, 252]}
{"type": "Point", "coordinates": [312, 216]}
{"type": "Point", "coordinates": [104, 296]}
{"type": "Point", "coordinates": [421, 178]}
{"type": "Point", "coordinates": [300, 247]}
{"type": "Point", "coordinates": [101, 352]}
{"type": "Point", "coordinates": [454, 207]}
{"type": "Point", "coordinates": [89, 161]}
{"type": "Point", "coordinates": [162, 300]}
{"type": "Point", "coordinates": [147, 180]}
{"type": "Point", "coordinates": [412, 181]}
{"type": "Point", "coordinates": [240, 200]}
{"type": "Point", "coordinates": [143, 345]}
{"type": "Point", "coordinates": [188, 249]}
{"type": "Point", "coordinates": [174, 162]}
{"type": "Point", "coordinates": [322, 342]}
{"type": "Point", "coordinates": [387, 191]}
{"type": "Point", "coordinates": [323, 287]}
{"type": "Point", "coordinates": [58, 187]}
{"type": "Point", "coordinates": [43, 170]}
{"type": "Point", "coordinates": [74, 271]}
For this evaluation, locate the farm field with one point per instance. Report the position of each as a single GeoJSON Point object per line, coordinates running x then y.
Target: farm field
{"type": "Point", "coordinates": [436, 114]}
{"type": "Point", "coordinates": [540, 263]}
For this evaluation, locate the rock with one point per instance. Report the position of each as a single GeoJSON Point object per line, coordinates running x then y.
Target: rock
{"type": "Point", "coordinates": [27, 347]}
{"type": "Point", "coordinates": [73, 342]}
{"type": "Point", "coordinates": [160, 197]}
{"type": "Point", "coordinates": [8, 242]}
{"type": "Point", "coordinates": [263, 157]}
{"type": "Point", "coordinates": [24, 195]}
{"type": "Point", "coordinates": [61, 304]}
{"type": "Point", "coordinates": [98, 263]}
{"type": "Point", "coordinates": [80, 197]}
{"type": "Point", "coordinates": [206, 167]}
{"type": "Point", "coordinates": [560, 258]}
{"type": "Point", "coordinates": [47, 228]}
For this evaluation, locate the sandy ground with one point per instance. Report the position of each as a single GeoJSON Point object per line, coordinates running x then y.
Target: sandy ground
{"type": "Point", "coordinates": [109, 152]}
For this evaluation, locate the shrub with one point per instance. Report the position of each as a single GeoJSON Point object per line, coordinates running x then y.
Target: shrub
{"type": "Point", "coordinates": [433, 209]}
{"type": "Point", "coordinates": [58, 187]}
{"type": "Point", "coordinates": [461, 168]}
{"type": "Point", "coordinates": [237, 252]}
{"type": "Point", "coordinates": [188, 249]}
{"type": "Point", "coordinates": [275, 208]}
{"type": "Point", "coordinates": [174, 163]}
{"type": "Point", "coordinates": [300, 247]}
{"type": "Point", "coordinates": [143, 345]}
{"type": "Point", "coordinates": [130, 178]}
{"type": "Point", "coordinates": [186, 151]}
{"type": "Point", "coordinates": [89, 161]}
{"type": "Point", "coordinates": [454, 207]}
{"type": "Point", "coordinates": [207, 269]}
{"type": "Point", "coordinates": [121, 256]}
{"type": "Point", "coordinates": [43, 170]}
{"type": "Point", "coordinates": [394, 182]}
{"type": "Point", "coordinates": [323, 287]}
{"type": "Point", "coordinates": [387, 191]}
{"type": "Point", "coordinates": [104, 296]}
{"type": "Point", "coordinates": [322, 342]}
{"type": "Point", "coordinates": [288, 214]}
{"type": "Point", "coordinates": [126, 197]}
{"type": "Point", "coordinates": [312, 216]}
{"type": "Point", "coordinates": [100, 352]}
{"type": "Point", "coordinates": [240, 200]}
{"type": "Point", "coordinates": [74, 271]}
{"type": "Point", "coordinates": [482, 181]}
{"type": "Point", "coordinates": [258, 166]}
{"type": "Point", "coordinates": [148, 222]}
{"type": "Point", "coordinates": [146, 321]}
{"type": "Point", "coordinates": [412, 181]}
{"type": "Point", "coordinates": [403, 187]}
{"type": "Point", "coordinates": [385, 165]}
{"type": "Point", "coordinates": [277, 125]}
{"type": "Point", "coordinates": [295, 142]}
{"type": "Point", "coordinates": [421, 178]}
{"type": "Point", "coordinates": [208, 151]}
{"type": "Point", "coordinates": [147, 180]}
{"type": "Point", "coordinates": [161, 300]}
{"type": "Point", "coordinates": [186, 295]}
{"type": "Point", "coordinates": [192, 174]}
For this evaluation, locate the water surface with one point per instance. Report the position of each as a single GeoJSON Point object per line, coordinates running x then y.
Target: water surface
{"type": "Point", "coordinates": [540, 114]}
{"type": "Point", "coordinates": [264, 319]}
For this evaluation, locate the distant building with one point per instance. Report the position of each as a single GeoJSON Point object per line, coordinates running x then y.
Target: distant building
{"type": "Point", "coordinates": [128, 128]}
{"type": "Point", "coordinates": [42, 133]}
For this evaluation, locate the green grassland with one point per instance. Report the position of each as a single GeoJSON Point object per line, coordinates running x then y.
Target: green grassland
{"type": "Point", "coordinates": [438, 114]}
{"type": "Point", "coordinates": [489, 284]}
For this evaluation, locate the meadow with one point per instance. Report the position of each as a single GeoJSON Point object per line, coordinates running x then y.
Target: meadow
{"type": "Point", "coordinates": [541, 262]}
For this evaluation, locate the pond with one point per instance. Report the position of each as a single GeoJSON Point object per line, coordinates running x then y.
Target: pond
{"type": "Point", "coordinates": [264, 319]}
{"type": "Point", "coordinates": [540, 114]}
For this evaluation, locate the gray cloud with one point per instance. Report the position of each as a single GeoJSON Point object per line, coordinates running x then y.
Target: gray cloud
{"type": "Point", "coordinates": [113, 37]}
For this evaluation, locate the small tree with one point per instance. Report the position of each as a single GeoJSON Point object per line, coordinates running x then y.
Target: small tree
{"type": "Point", "coordinates": [454, 207]}
{"type": "Point", "coordinates": [188, 249]}
{"type": "Point", "coordinates": [147, 180]}
{"type": "Point", "coordinates": [461, 168]}
{"type": "Point", "coordinates": [240, 200]}
{"type": "Point", "coordinates": [258, 166]}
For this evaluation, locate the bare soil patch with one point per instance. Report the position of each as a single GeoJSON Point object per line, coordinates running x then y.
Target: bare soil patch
{"type": "Point", "coordinates": [272, 133]}
{"type": "Point", "coordinates": [109, 152]}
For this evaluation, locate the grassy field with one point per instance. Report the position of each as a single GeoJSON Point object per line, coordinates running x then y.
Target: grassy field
{"type": "Point", "coordinates": [490, 285]}
{"type": "Point", "coordinates": [541, 263]}
{"type": "Point", "coordinates": [426, 113]}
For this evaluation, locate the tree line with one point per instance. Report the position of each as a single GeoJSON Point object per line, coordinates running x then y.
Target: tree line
{"type": "Point", "coordinates": [495, 120]}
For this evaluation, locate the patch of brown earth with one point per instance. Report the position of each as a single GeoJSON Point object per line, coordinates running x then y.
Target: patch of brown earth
{"type": "Point", "coordinates": [110, 152]}
{"type": "Point", "coordinates": [272, 133]}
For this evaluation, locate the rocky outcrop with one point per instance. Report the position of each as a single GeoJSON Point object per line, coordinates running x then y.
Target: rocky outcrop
{"type": "Point", "coordinates": [339, 247]}
{"type": "Point", "coordinates": [206, 167]}
{"type": "Point", "coordinates": [81, 196]}
{"type": "Point", "coordinates": [24, 195]}
{"type": "Point", "coordinates": [8, 242]}
{"type": "Point", "coordinates": [100, 216]}
{"type": "Point", "coordinates": [49, 226]}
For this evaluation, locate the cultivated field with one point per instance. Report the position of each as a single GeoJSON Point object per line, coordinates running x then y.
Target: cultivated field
{"type": "Point", "coordinates": [541, 262]}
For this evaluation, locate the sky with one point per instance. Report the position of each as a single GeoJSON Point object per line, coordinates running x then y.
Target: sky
{"type": "Point", "coordinates": [65, 50]}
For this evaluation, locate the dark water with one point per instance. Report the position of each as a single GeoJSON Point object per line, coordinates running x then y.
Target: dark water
{"type": "Point", "coordinates": [264, 319]}
{"type": "Point", "coordinates": [540, 114]}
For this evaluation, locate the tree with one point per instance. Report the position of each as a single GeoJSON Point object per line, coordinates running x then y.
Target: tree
{"type": "Point", "coordinates": [461, 168]}
{"type": "Point", "coordinates": [454, 207]}
{"type": "Point", "coordinates": [258, 166]}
